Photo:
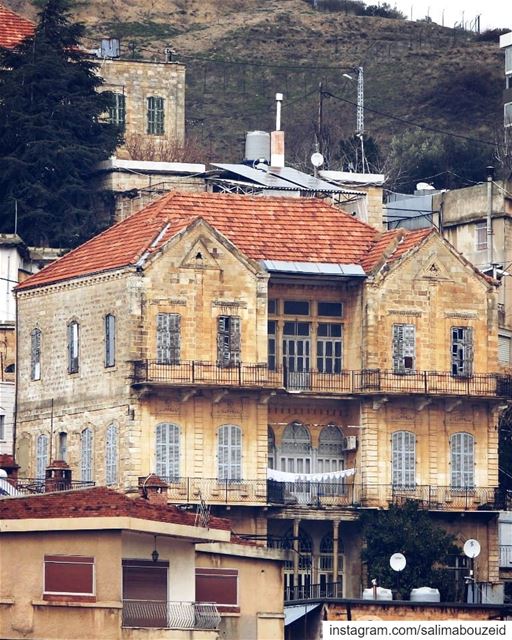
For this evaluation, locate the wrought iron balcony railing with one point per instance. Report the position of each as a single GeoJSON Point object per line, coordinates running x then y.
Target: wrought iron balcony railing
{"type": "Point", "coordinates": [346, 382]}
{"type": "Point", "coordinates": [170, 615]}
{"type": "Point", "coordinates": [506, 556]}
{"type": "Point", "coordinates": [313, 591]}
{"type": "Point", "coordinates": [29, 486]}
{"type": "Point", "coordinates": [339, 493]}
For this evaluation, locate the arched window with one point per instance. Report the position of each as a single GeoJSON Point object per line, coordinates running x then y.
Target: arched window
{"type": "Point", "coordinates": [330, 450]}
{"type": "Point", "coordinates": [111, 455]}
{"type": "Point", "coordinates": [230, 453]}
{"type": "Point", "coordinates": [462, 457]}
{"type": "Point", "coordinates": [403, 456]}
{"type": "Point", "coordinates": [167, 450]}
{"type": "Point", "coordinates": [41, 456]}
{"type": "Point", "coordinates": [35, 354]}
{"type": "Point", "coordinates": [295, 453]}
{"type": "Point", "coordinates": [86, 467]}
{"type": "Point", "coordinates": [73, 346]}
{"type": "Point", "coordinates": [271, 448]}
{"type": "Point", "coordinates": [62, 446]}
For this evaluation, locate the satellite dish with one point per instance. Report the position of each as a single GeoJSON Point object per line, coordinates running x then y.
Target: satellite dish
{"type": "Point", "coordinates": [317, 159]}
{"type": "Point", "coordinates": [471, 548]}
{"type": "Point", "coordinates": [397, 562]}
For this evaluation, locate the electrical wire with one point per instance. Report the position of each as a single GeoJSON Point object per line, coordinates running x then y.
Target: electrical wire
{"type": "Point", "coordinates": [409, 122]}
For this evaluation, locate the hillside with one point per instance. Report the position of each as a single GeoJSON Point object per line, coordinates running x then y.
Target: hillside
{"type": "Point", "coordinates": [240, 52]}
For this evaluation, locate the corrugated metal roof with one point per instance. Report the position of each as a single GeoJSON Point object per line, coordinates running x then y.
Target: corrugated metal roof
{"type": "Point", "coordinates": [314, 268]}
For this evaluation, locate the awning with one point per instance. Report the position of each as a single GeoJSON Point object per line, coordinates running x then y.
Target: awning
{"type": "Point", "coordinates": [296, 611]}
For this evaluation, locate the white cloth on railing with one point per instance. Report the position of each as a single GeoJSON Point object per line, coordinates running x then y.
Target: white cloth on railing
{"type": "Point", "coordinates": [285, 476]}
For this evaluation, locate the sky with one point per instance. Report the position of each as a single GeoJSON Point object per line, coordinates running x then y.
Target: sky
{"type": "Point", "coordinates": [493, 13]}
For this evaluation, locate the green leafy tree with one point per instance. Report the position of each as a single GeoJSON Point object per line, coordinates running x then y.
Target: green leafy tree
{"type": "Point", "coordinates": [409, 530]}
{"type": "Point", "coordinates": [52, 133]}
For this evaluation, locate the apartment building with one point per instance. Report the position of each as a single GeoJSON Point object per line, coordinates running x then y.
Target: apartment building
{"type": "Point", "coordinates": [275, 359]}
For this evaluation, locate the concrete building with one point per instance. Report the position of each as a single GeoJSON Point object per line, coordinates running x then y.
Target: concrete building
{"type": "Point", "coordinates": [94, 563]}
{"type": "Point", "coordinates": [278, 359]}
{"type": "Point", "coordinates": [506, 44]}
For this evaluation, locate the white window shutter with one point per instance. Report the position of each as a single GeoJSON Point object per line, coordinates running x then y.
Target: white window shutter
{"type": "Point", "coordinates": [229, 452]}
{"type": "Point", "coordinates": [167, 451]}
{"type": "Point", "coordinates": [41, 456]}
{"type": "Point", "coordinates": [86, 455]}
{"type": "Point", "coordinates": [403, 457]}
{"type": "Point", "coordinates": [111, 455]}
{"type": "Point", "coordinates": [462, 450]}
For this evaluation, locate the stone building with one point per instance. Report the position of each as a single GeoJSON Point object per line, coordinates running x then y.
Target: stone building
{"type": "Point", "coordinates": [278, 359]}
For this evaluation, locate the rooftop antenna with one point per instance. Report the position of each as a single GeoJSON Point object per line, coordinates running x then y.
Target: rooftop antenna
{"type": "Point", "coordinates": [360, 113]}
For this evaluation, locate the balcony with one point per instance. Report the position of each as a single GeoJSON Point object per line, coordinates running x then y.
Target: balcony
{"type": "Point", "coordinates": [346, 382]}
{"type": "Point", "coordinates": [30, 486]}
{"type": "Point", "coordinates": [506, 556]}
{"type": "Point", "coordinates": [170, 615]}
{"type": "Point", "coordinates": [338, 494]}
{"type": "Point", "coordinates": [318, 591]}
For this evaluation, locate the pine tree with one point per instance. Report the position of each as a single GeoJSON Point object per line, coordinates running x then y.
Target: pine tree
{"type": "Point", "coordinates": [53, 132]}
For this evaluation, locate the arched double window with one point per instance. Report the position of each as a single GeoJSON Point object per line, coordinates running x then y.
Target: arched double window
{"type": "Point", "coordinates": [167, 450]}
{"type": "Point", "coordinates": [41, 456]}
{"type": "Point", "coordinates": [462, 460]}
{"type": "Point", "coordinates": [330, 450]}
{"type": "Point", "coordinates": [111, 455]}
{"type": "Point", "coordinates": [229, 455]}
{"type": "Point", "coordinates": [86, 455]}
{"type": "Point", "coordinates": [296, 449]}
{"type": "Point", "coordinates": [403, 457]}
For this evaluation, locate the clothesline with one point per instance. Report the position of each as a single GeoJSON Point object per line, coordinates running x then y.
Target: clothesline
{"type": "Point", "coordinates": [285, 476]}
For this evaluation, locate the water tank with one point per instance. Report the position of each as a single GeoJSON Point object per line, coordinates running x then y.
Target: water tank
{"type": "Point", "coordinates": [425, 594]}
{"type": "Point", "coordinates": [257, 146]}
{"type": "Point", "coordinates": [382, 594]}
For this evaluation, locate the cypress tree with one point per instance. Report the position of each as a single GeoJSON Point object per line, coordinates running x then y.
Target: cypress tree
{"type": "Point", "coordinates": [53, 132]}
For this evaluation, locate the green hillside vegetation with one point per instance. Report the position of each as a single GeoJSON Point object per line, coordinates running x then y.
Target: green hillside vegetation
{"type": "Point", "coordinates": [239, 53]}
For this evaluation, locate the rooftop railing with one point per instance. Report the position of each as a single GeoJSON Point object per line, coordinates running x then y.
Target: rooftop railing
{"type": "Point", "coordinates": [30, 486]}
{"type": "Point", "coordinates": [170, 615]}
{"type": "Point", "coordinates": [345, 382]}
{"type": "Point", "coordinates": [314, 591]}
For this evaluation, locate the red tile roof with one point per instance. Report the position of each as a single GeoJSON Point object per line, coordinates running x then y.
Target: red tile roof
{"type": "Point", "coordinates": [263, 228]}
{"type": "Point", "coordinates": [13, 28]}
{"type": "Point", "coordinates": [96, 502]}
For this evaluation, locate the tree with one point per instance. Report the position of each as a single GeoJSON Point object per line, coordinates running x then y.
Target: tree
{"type": "Point", "coordinates": [53, 132]}
{"type": "Point", "coordinates": [409, 530]}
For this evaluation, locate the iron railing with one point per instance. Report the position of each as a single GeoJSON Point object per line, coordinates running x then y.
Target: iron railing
{"type": "Point", "coordinates": [29, 486]}
{"type": "Point", "coordinates": [313, 591]}
{"type": "Point", "coordinates": [364, 381]}
{"type": "Point", "coordinates": [506, 556]}
{"type": "Point", "coordinates": [212, 490]}
{"type": "Point", "coordinates": [331, 493]}
{"type": "Point", "coordinates": [170, 615]}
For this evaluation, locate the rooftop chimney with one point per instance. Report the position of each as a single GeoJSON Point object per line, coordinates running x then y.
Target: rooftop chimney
{"type": "Point", "coordinates": [154, 490]}
{"type": "Point", "coordinates": [277, 137]}
{"type": "Point", "coordinates": [58, 476]}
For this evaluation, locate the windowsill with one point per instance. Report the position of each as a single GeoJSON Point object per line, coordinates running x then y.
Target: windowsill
{"type": "Point", "coordinates": [228, 612]}
{"type": "Point", "coordinates": [7, 601]}
{"type": "Point", "coordinates": [68, 597]}
{"type": "Point", "coordinates": [66, 602]}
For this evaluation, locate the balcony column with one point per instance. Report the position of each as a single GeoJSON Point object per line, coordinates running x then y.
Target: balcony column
{"type": "Point", "coordinates": [335, 550]}
{"type": "Point", "coordinates": [296, 547]}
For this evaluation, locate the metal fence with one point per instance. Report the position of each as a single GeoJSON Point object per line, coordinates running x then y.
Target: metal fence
{"type": "Point", "coordinates": [215, 491]}
{"type": "Point", "coordinates": [170, 615]}
{"type": "Point", "coordinates": [364, 381]}
{"type": "Point", "coordinates": [29, 486]}
{"type": "Point", "coordinates": [314, 591]}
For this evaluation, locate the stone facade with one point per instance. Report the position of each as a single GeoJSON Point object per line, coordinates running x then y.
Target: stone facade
{"type": "Point", "coordinates": [201, 277]}
{"type": "Point", "coordinates": [138, 80]}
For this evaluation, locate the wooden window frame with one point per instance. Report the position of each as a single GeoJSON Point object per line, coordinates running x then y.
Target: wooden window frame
{"type": "Point", "coordinates": [155, 115]}
{"type": "Point", "coordinates": [223, 573]}
{"type": "Point", "coordinates": [85, 561]}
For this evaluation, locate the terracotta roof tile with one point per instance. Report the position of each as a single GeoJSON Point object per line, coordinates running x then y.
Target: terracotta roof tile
{"type": "Point", "coordinates": [13, 28]}
{"type": "Point", "coordinates": [97, 502]}
{"type": "Point", "coordinates": [263, 228]}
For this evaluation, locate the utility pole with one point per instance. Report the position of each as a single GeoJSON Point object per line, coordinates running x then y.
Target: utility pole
{"type": "Point", "coordinates": [320, 119]}
{"type": "Point", "coordinates": [490, 257]}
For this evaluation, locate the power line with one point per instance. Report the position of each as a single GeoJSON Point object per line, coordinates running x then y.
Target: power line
{"type": "Point", "coordinates": [410, 123]}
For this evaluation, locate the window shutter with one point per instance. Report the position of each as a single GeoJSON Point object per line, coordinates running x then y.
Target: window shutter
{"type": "Point", "coordinates": [168, 450]}
{"type": "Point", "coordinates": [35, 355]}
{"type": "Point", "coordinates": [504, 348]}
{"type": "Point", "coordinates": [230, 453]}
{"type": "Point", "coordinates": [234, 339]}
{"type": "Point", "coordinates": [462, 461]}
{"type": "Point", "coordinates": [86, 455]}
{"type": "Point", "coordinates": [403, 459]}
{"type": "Point", "coordinates": [468, 344]}
{"type": "Point", "coordinates": [404, 347]}
{"type": "Point", "coordinates": [168, 338]}
{"type": "Point", "coordinates": [41, 456]}
{"type": "Point", "coordinates": [223, 341]}
{"type": "Point", "coordinates": [111, 455]}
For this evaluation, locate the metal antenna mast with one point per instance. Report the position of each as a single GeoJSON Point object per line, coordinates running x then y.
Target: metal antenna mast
{"type": "Point", "coordinates": [360, 114]}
